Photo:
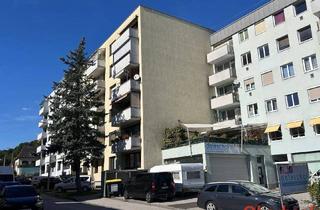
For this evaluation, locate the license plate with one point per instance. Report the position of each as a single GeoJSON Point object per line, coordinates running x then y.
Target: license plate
{"type": "Point", "coordinates": [165, 187]}
{"type": "Point", "coordinates": [114, 188]}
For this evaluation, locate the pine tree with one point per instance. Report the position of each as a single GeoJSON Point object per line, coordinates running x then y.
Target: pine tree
{"type": "Point", "coordinates": [74, 119]}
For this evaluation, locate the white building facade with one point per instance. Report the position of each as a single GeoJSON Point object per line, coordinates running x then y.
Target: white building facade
{"type": "Point", "coordinates": [275, 51]}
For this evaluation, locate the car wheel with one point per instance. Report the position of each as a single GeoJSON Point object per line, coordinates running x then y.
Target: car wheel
{"type": "Point", "coordinates": [85, 189]}
{"type": "Point", "coordinates": [125, 194]}
{"type": "Point", "coordinates": [264, 207]}
{"type": "Point", "coordinates": [149, 197]}
{"type": "Point", "coordinates": [210, 206]}
{"type": "Point", "coordinates": [59, 190]}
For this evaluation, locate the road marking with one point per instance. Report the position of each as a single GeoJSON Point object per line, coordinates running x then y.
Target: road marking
{"type": "Point", "coordinates": [67, 202]}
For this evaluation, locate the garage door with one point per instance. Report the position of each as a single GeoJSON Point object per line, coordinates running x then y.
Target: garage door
{"type": "Point", "coordinates": [227, 167]}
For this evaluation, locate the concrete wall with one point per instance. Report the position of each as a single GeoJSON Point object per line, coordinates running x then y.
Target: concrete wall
{"type": "Point", "coordinates": [174, 78]}
{"type": "Point", "coordinates": [300, 83]}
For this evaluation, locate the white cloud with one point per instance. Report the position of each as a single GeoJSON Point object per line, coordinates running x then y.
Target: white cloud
{"type": "Point", "coordinates": [24, 118]}
{"type": "Point", "coordinates": [25, 108]}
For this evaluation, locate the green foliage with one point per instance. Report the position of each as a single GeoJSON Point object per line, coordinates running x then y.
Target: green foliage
{"type": "Point", "coordinates": [314, 191]}
{"type": "Point", "coordinates": [174, 136]}
{"type": "Point", "coordinates": [74, 116]}
{"type": "Point", "coordinates": [15, 151]}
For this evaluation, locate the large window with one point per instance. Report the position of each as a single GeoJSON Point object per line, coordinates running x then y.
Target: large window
{"type": "Point", "coordinates": [249, 84]}
{"type": "Point", "coordinates": [224, 90]}
{"type": "Point", "coordinates": [292, 100]}
{"type": "Point", "coordinates": [267, 78]}
{"type": "Point", "coordinates": [305, 33]}
{"type": "Point", "coordinates": [253, 110]}
{"type": "Point", "coordinates": [271, 105]}
{"type": "Point", "coordinates": [243, 35]}
{"type": "Point", "coordinates": [297, 132]}
{"type": "Point", "coordinates": [279, 17]}
{"type": "Point", "coordinates": [314, 94]}
{"type": "Point", "coordinates": [300, 7]}
{"type": "Point", "coordinates": [246, 58]}
{"type": "Point", "coordinates": [263, 51]}
{"type": "Point", "coordinates": [287, 71]}
{"type": "Point", "coordinates": [224, 115]}
{"type": "Point", "coordinates": [283, 43]}
{"type": "Point", "coordinates": [224, 66]}
{"type": "Point", "coordinates": [310, 63]}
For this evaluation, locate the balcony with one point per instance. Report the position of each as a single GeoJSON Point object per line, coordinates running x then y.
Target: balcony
{"type": "Point", "coordinates": [40, 162]}
{"type": "Point", "coordinates": [98, 66]}
{"type": "Point", "coordinates": [129, 61]}
{"type": "Point", "coordinates": [227, 124]}
{"type": "Point", "coordinates": [100, 85]}
{"type": "Point", "coordinates": [221, 53]}
{"type": "Point", "coordinates": [225, 76]}
{"type": "Point", "coordinates": [128, 34]}
{"type": "Point", "coordinates": [132, 143]}
{"type": "Point", "coordinates": [315, 6]}
{"type": "Point", "coordinates": [225, 101]}
{"type": "Point", "coordinates": [42, 135]}
{"type": "Point", "coordinates": [132, 46]}
{"type": "Point", "coordinates": [127, 116]}
{"type": "Point", "coordinates": [41, 148]}
{"type": "Point", "coordinates": [122, 90]}
{"type": "Point", "coordinates": [43, 123]}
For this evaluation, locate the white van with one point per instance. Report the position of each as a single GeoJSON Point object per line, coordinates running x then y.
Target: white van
{"type": "Point", "coordinates": [188, 177]}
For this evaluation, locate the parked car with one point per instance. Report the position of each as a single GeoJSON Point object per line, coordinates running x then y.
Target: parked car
{"type": "Point", "coordinates": [4, 184]}
{"type": "Point", "coordinates": [20, 197]}
{"type": "Point", "coordinates": [70, 184]}
{"type": "Point", "coordinates": [235, 195]}
{"type": "Point", "coordinates": [43, 184]}
{"type": "Point", "coordinates": [150, 186]}
{"type": "Point", "coordinates": [188, 177]}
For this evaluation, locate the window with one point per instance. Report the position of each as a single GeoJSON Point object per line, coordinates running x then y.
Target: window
{"type": "Point", "coordinates": [225, 66]}
{"type": "Point", "coordinates": [223, 188]}
{"type": "Point", "coordinates": [267, 78]}
{"type": "Point", "coordinates": [263, 51]}
{"type": "Point", "coordinates": [316, 129]}
{"type": "Point", "coordinates": [300, 7]}
{"type": "Point", "coordinates": [271, 105]}
{"type": "Point", "coordinates": [280, 158]}
{"type": "Point", "coordinates": [226, 115]}
{"type": "Point", "coordinates": [211, 188]}
{"type": "Point", "coordinates": [193, 175]}
{"type": "Point", "coordinates": [238, 190]}
{"type": "Point", "coordinates": [283, 43]}
{"type": "Point", "coordinates": [249, 84]}
{"type": "Point", "coordinates": [297, 132]}
{"type": "Point", "coordinates": [243, 35]}
{"type": "Point", "coordinates": [292, 100]}
{"type": "Point", "coordinates": [260, 27]}
{"type": "Point", "coordinates": [287, 71]}
{"type": "Point", "coordinates": [253, 110]}
{"type": "Point", "coordinates": [310, 63]}
{"type": "Point", "coordinates": [279, 18]}
{"type": "Point", "coordinates": [305, 33]}
{"type": "Point", "coordinates": [276, 135]}
{"type": "Point", "coordinates": [224, 90]}
{"type": "Point", "coordinates": [246, 58]}
{"type": "Point", "coordinates": [314, 94]}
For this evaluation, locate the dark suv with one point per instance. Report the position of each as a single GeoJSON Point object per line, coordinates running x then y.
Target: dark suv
{"type": "Point", "coordinates": [150, 186]}
{"type": "Point", "coordinates": [235, 195]}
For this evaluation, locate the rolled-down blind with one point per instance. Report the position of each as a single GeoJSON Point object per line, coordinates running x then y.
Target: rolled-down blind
{"type": "Point", "coordinates": [267, 78]}
{"type": "Point", "coordinates": [248, 81]}
{"type": "Point", "coordinates": [314, 93]}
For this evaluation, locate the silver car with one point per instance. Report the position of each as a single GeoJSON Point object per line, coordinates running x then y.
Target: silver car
{"type": "Point", "coordinates": [70, 184]}
{"type": "Point", "coordinates": [238, 195]}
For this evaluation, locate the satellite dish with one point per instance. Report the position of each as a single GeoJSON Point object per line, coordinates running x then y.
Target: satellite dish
{"type": "Point", "coordinates": [136, 77]}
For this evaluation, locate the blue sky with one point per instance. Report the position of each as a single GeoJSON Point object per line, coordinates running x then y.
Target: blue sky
{"type": "Point", "coordinates": [34, 34]}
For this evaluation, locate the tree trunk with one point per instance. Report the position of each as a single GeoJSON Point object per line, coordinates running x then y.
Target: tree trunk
{"type": "Point", "coordinates": [77, 170]}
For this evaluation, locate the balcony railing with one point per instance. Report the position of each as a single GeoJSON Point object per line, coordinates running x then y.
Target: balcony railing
{"type": "Point", "coordinates": [42, 135]}
{"type": "Point", "coordinates": [221, 77]}
{"type": "Point", "coordinates": [100, 86]}
{"type": "Point", "coordinates": [41, 148]}
{"type": "Point", "coordinates": [232, 123]}
{"type": "Point", "coordinates": [43, 123]}
{"type": "Point", "coordinates": [125, 63]}
{"type": "Point", "coordinates": [124, 89]}
{"type": "Point", "coordinates": [221, 53]}
{"type": "Point", "coordinates": [128, 115]}
{"type": "Point", "coordinates": [225, 101]}
{"type": "Point", "coordinates": [98, 66]}
{"type": "Point", "coordinates": [132, 143]}
{"type": "Point", "coordinates": [40, 162]}
{"type": "Point", "coordinates": [315, 6]}
{"type": "Point", "coordinates": [129, 33]}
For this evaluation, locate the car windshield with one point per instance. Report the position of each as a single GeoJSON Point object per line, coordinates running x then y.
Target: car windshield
{"type": "Point", "coordinates": [16, 192]}
{"type": "Point", "coordinates": [255, 188]}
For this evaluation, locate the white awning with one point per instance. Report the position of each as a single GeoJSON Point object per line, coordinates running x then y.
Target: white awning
{"type": "Point", "coordinates": [197, 126]}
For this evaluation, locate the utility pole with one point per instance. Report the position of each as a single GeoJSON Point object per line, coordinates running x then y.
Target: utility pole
{"type": "Point", "coordinates": [12, 164]}
{"type": "Point", "coordinates": [4, 160]}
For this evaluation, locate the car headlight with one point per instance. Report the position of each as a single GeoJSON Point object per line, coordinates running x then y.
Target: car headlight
{"type": "Point", "coordinates": [274, 200]}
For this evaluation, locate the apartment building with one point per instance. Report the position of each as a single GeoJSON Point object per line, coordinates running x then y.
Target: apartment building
{"type": "Point", "coordinates": [154, 79]}
{"type": "Point", "coordinates": [54, 163]}
{"type": "Point", "coordinates": [267, 64]}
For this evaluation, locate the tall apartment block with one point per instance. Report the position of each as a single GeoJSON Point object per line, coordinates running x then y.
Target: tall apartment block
{"type": "Point", "coordinates": [266, 69]}
{"type": "Point", "coordinates": [54, 163]}
{"type": "Point", "coordinates": [154, 80]}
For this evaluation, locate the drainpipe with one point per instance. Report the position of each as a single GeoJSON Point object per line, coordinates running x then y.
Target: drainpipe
{"type": "Point", "coordinates": [190, 147]}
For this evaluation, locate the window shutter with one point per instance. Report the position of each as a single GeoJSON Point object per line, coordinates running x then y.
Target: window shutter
{"type": "Point", "coordinates": [260, 27]}
{"type": "Point", "coordinates": [267, 78]}
{"type": "Point", "coordinates": [248, 81]}
{"type": "Point", "coordinates": [314, 93]}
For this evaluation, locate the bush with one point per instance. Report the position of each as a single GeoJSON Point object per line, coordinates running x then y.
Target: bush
{"type": "Point", "coordinates": [314, 191]}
